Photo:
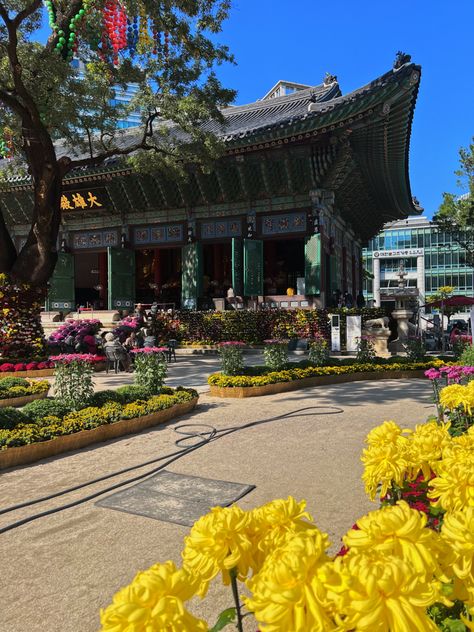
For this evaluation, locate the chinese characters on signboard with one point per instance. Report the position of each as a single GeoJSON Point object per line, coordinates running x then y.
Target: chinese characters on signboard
{"type": "Point", "coordinates": [290, 223]}
{"type": "Point", "coordinates": [83, 200]}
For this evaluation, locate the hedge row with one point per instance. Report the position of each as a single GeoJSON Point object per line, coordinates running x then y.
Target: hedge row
{"type": "Point", "coordinates": [252, 327]}
{"type": "Point", "coordinates": [297, 373]}
{"type": "Point", "coordinates": [27, 431]}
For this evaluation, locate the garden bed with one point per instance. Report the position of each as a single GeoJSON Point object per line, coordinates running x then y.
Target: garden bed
{"type": "Point", "coordinates": [99, 366]}
{"type": "Point", "coordinates": [322, 380]}
{"type": "Point", "coordinates": [21, 401]}
{"type": "Point", "coordinates": [33, 452]}
{"type": "Point", "coordinates": [296, 377]}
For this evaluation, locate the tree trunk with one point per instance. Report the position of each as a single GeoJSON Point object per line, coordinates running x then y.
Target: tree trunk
{"type": "Point", "coordinates": [7, 247]}
{"type": "Point", "coordinates": [36, 261]}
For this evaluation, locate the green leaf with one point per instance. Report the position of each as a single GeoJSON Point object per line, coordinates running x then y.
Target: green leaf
{"type": "Point", "coordinates": [225, 618]}
{"type": "Point", "coordinates": [453, 625]}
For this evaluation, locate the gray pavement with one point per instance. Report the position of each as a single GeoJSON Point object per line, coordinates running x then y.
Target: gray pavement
{"type": "Point", "coordinates": [61, 569]}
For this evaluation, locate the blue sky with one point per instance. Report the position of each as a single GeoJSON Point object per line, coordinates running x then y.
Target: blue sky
{"type": "Point", "coordinates": [300, 40]}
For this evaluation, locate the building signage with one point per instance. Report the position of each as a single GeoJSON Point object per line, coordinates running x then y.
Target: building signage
{"type": "Point", "coordinates": [353, 332]}
{"type": "Point", "coordinates": [404, 252]}
{"type": "Point", "coordinates": [221, 228]}
{"type": "Point", "coordinates": [171, 233]}
{"type": "Point", "coordinates": [283, 224]}
{"type": "Point", "coordinates": [95, 239]}
{"type": "Point", "coordinates": [84, 200]}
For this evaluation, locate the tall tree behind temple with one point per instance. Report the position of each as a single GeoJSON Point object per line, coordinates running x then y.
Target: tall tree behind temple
{"type": "Point", "coordinates": [456, 213]}
{"type": "Point", "coordinates": [53, 121]}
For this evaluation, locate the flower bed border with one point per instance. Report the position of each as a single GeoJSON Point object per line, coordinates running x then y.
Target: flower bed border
{"type": "Point", "coordinates": [22, 401]}
{"type": "Point", "coordinates": [100, 366]}
{"type": "Point", "coordinates": [319, 380]}
{"type": "Point", "coordinates": [33, 452]}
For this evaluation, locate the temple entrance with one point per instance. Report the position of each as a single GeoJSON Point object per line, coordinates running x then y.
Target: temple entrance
{"type": "Point", "coordinates": [158, 276]}
{"type": "Point", "coordinates": [90, 275]}
{"type": "Point", "coordinates": [284, 264]}
{"type": "Point", "coordinates": [217, 269]}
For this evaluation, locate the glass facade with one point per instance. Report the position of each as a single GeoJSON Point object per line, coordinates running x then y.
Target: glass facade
{"type": "Point", "coordinates": [444, 259]}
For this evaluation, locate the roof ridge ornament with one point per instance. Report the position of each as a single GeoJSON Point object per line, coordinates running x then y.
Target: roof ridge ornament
{"type": "Point", "coordinates": [401, 59]}
{"type": "Point", "coordinates": [329, 79]}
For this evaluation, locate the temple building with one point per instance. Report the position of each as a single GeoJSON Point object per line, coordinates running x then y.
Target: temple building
{"type": "Point", "coordinates": [306, 179]}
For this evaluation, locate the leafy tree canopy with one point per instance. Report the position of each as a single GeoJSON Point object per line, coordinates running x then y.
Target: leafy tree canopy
{"type": "Point", "coordinates": [456, 213]}
{"type": "Point", "coordinates": [54, 120]}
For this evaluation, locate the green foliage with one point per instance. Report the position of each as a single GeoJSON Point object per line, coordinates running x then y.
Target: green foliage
{"type": "Point", "coordinates": [232, 360]}
{"type": "Point", "coordinates": [448, 619]}
{"type": "Point", "coordinates": [11, 417]}
{"type": "Point", "coordinates": [300, 371]}
{"type": "Point", "coordinates": [275, 355]}
{"type": "Point", "coordinates": [455, 215]}
{"type": "Point", "coordinates": [180, 85]}
{"type": "Point", "coordinates": [43, 407]}
{"type": "Point", "coordinates": [467, 356]}
{"type": "Point", "coordinates": [318, 352]}
{"type": "Point", "coordinates": [365, 349]}
{"type": "Point", "coordinates": [16, 429]}
{"type": "Point", "coordinates": [131, 393]}
{"type": "Point", "coordinates": [8, 382]}
{"type": "Point", "coordinates": [416, 349]}
{"type": "Point", "coordinates": [225, 618]}
{"type": "Point", "coordinates": [73, 383]}
{"type": "Point", "coordinates": [150, 371]}
{"type": "Point", "coordinates": [104, 397]}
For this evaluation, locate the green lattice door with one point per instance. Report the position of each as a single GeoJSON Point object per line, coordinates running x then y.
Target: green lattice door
{"type": "Point", "coordinates": [121, 270]}
{"type": "Point", "coordinates": [253, 267]}
{"type": "Point", "coordinates": [191, 280]}
{"type": "Point", "coordinates": [61, 284]}
{"type": "Point", "coordinates": [237, 267]}
{"type": "Point", "coordinates": [312, 271]}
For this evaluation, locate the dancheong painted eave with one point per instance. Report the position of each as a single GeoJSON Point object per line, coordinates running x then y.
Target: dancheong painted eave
{"type": "Point", "coordinates": [355, 145]}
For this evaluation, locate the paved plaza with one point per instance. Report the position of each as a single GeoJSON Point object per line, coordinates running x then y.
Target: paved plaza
{"type": "Point", "coordinates": [64, 567]}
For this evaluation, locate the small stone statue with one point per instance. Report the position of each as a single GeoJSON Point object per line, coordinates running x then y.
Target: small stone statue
{"type": "Point", "coordinates": [401, 274]}
{"type": "Point", "coordinates": [329, 79]}
{"type": "Point", "coordinates": [401, 59]}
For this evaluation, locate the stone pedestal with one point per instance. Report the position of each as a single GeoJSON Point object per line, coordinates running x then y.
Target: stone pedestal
{"type": "Point", "coordinates": [402, 316]}
{"type": "Point", "coordinates": [379, 339]}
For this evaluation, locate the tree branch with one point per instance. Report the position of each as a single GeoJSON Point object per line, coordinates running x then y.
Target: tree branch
{"type": "Point", "coordinates": [27, 11]}
{"type": "Point", "coordinates": [12, 102]}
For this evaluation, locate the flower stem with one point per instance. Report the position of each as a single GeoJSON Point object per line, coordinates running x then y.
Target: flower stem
{"type": "Point", "coordinates": [235, 594]}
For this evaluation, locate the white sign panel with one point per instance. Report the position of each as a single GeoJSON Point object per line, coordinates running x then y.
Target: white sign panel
{"type": "Point", "coordinates": [353, 332]}
{"type": "Point", "coordinates": [335, 333]}
{"type": "Point", "coordinates": [405, 252]}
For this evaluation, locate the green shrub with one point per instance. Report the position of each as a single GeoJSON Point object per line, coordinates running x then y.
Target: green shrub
{"type": "Point", "coordinates": [10, 417]}
{"type": "Point", "coordinates": [467, 356]}
{"type": "Point", "coordinates": [131, 393]}
{"type": "Point", "coordinates": [43, 407]}
{"type": "Point", "coordinates": [8, 382]}
{"type": "Point", "coordinates": [104, 397]}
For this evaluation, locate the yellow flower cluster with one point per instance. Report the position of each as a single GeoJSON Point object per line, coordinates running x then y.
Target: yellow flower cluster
{"type": "Point", "coordinates": [393, 569]}
{"type": "Point", "coordinates": [458, 396]}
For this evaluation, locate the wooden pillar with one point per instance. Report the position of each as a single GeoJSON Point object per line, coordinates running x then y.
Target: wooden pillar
{"type": "Point", "coordinates": [103, 279]}
{"type": "Point", "coordinates": [344, 269]}
{"type": "Point", "coordinates": [158, 268]}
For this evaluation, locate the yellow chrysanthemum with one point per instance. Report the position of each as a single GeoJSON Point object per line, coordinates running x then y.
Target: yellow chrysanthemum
{"type": "Point", "coordinates": [460, 448]}
{"type": "Point", "coordinates": [426, 446]}
{"type": "Point", "coordinates": [219, 541]}
{"type": "Point", "coordinates": [381, 593]}
{"type": "Point", "coordinates": [275, 522]}
{"type": "Point", "coordinates": [453, 487]}
{"type": "Point", "coordinates": [385, 463]}
{"type": "Point", "coordinates": [458, 396]}
{"type": "Point", "coordinates": [401, 531]}
{"type": "Point", "coordinates": [458, 532]}
{"type": "Point", "coordinates": [153, 601]}
{"type": "Point", "coordinates": [288, 592]}
{"type": "Point", "coordinates": [388, 432]}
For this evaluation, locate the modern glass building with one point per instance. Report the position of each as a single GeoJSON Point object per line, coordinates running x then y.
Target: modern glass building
{"type": "Point", "coordinates": [123, 96]}
{"type": "Point", "coordinates": [431, 258]}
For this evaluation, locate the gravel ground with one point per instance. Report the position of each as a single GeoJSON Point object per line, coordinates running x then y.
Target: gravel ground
{"type": "Point", "coordinates": [60, 570]}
